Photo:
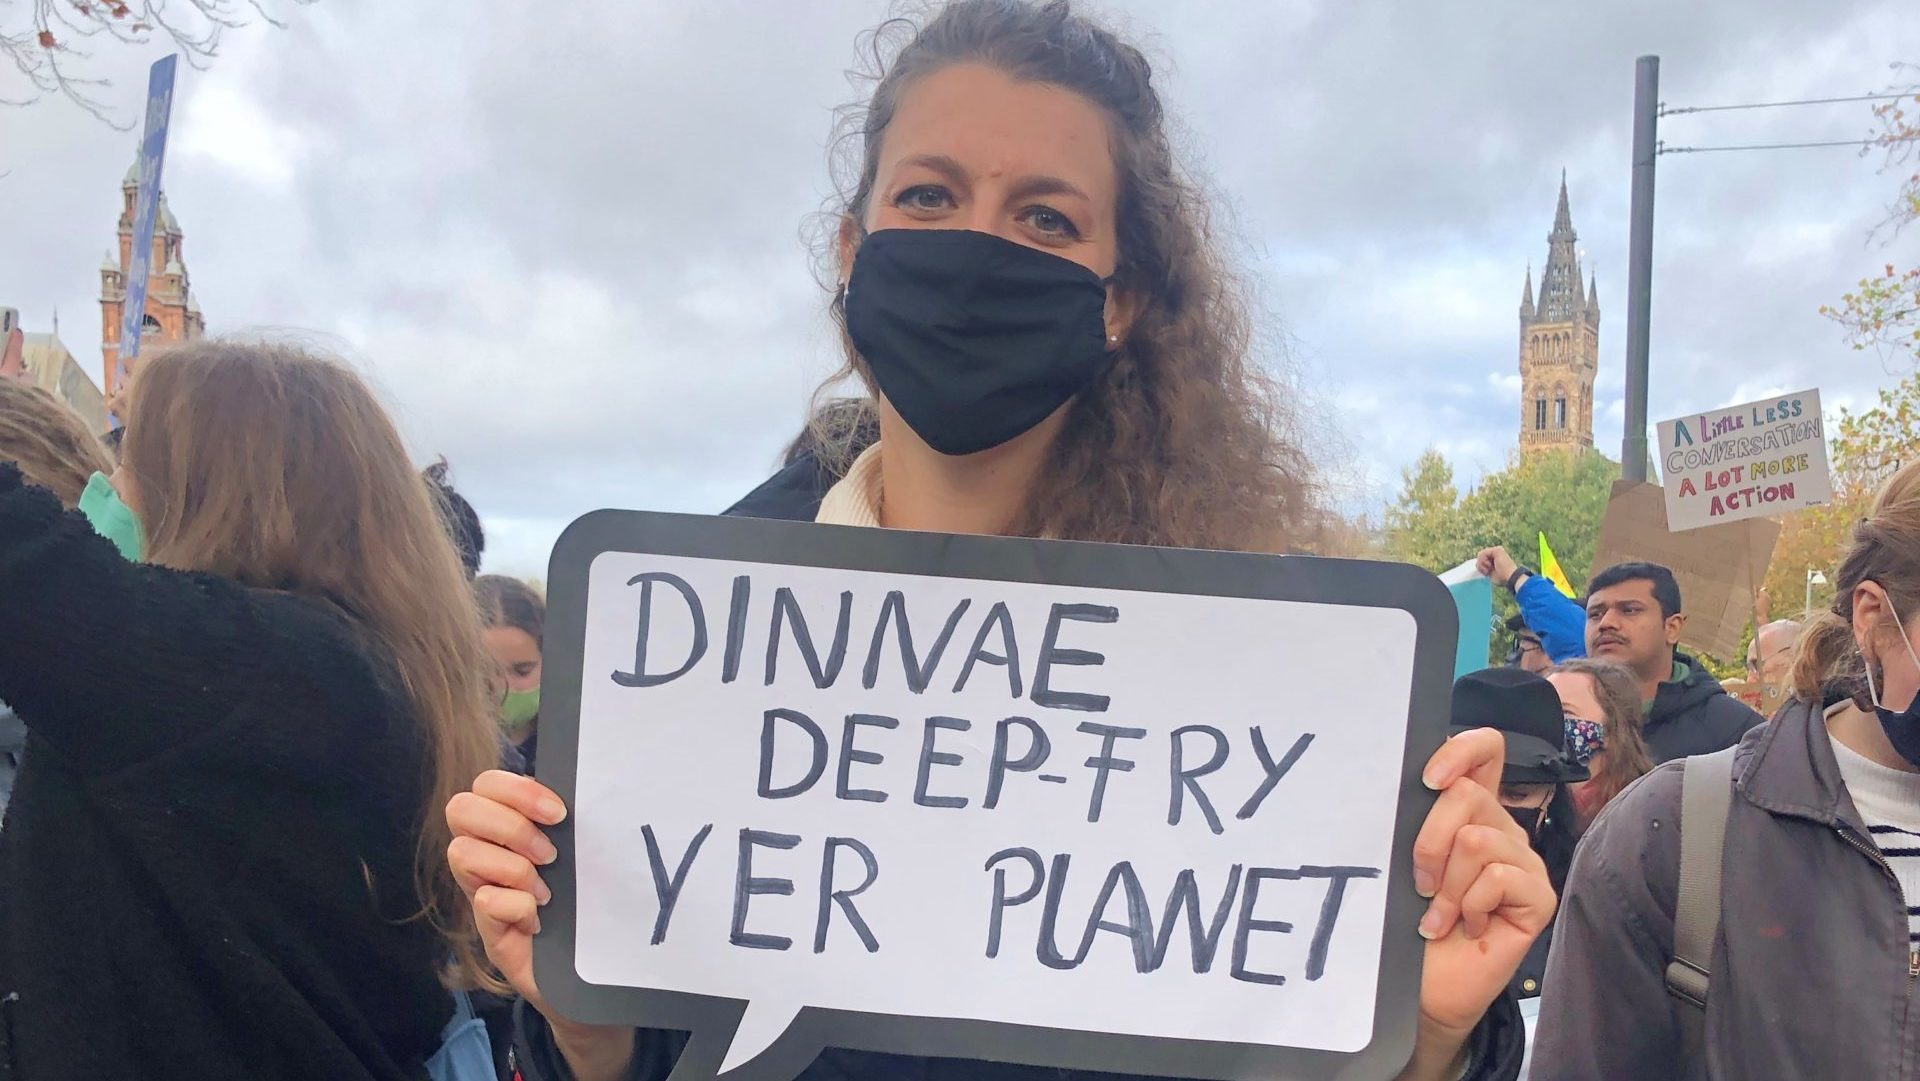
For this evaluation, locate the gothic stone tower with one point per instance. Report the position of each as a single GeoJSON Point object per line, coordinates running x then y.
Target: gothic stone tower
{"type": "Point", "coordinates": [1559, 346]}
{"type": "Point", "coordinates": [172, 314]}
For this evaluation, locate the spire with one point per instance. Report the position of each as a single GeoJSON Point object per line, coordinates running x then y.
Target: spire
{"type": "Point", "coordinates": [1526, 297]}
{"type": "Point", "coordinates": [1562, 217]}
{"type": "Point", "coordinates": [1593, 294]}
{"type": "Point", "coordinates": [1561, 283]}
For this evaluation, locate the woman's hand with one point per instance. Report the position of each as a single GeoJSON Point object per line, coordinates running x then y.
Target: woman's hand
{"type": "Point", "coordinates": [496, 854]}
{"type": "Point", "coordinates": [1491, 899]}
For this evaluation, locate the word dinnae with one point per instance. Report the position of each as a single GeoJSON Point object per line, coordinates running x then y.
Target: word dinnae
{"type": "Point", "coordinates": [1049, 669]}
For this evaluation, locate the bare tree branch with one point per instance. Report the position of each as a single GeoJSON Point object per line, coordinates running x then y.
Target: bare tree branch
{"type": "Point", "coordinates": [1882, 313]}
{"type": "Point", "coordinates": [39, 39]}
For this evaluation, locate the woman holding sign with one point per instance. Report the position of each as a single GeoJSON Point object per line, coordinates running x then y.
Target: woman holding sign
{"type": "Point", "coordinates": [1054, 349]}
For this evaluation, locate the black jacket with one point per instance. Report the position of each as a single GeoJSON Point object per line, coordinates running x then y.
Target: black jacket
{"type": "Point", "coordinates": [1695, 716]}
{"type": "Point", "coordinates": [793, 494]}
{"type": "Point", "coordinates": [207, 868]}
{"type": "Point", "coordinates": [1497, 1046]}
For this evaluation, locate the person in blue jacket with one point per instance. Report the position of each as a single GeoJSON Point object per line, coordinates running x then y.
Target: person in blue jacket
{"type": "Point", "coordinates": [1558, 620]}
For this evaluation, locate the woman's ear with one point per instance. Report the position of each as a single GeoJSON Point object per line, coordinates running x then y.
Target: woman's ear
{"type": "Point", "coordinates": [845, 247]}
{"type": "Point", "coordinates": [1869, 611]}
{"type": "Point", "coordinates": [1123, 305]}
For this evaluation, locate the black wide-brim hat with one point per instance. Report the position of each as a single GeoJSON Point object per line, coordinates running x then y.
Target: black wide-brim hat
{"type": "Point", "coordinates": [1527, 711]}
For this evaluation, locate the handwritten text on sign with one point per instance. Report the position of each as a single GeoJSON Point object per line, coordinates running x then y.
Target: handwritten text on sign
{"type": "Point", "coordinates": [1090, 809]}
{"type": "Point", "coordinates": [1754, 460]}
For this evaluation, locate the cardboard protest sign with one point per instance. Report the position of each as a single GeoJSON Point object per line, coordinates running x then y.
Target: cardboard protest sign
{"type": "Point", "coordinates": [1086, 806]}
{"type": "Point", "coordinates": [1717, 567]}
{"type": "Point", "coordinates": [1750, 461]}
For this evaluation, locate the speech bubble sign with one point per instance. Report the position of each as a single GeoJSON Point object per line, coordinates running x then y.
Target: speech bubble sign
{"type": "Point", "coordinates": [1085, 806]}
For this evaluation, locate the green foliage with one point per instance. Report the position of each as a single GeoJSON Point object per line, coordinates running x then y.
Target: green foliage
{"type": "Point", "coordinates": [1421, 527]}
{"type": "Point", "coordinates": [1562, 494]}
{"type": "Point", "coordinates": [1867, 448]}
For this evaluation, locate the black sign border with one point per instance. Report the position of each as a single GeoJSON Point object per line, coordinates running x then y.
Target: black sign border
{"type": "Point", "coordinates": [712, 1020]}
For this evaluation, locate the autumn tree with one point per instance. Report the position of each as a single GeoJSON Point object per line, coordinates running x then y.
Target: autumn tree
{"type": "Point", "coordinates": [1884, 310]}
{"type": "Point", "coordinates": [1867, 448]}
{"type": "Point", "coordinates": [52, 42]}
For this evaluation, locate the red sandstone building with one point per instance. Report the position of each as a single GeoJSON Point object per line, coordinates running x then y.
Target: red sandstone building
{"type": "Point", "coordinates": [172, 314]}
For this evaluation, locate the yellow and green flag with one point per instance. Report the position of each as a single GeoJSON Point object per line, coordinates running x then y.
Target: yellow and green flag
{"type": "Point", "coordinates": [1550, 569]}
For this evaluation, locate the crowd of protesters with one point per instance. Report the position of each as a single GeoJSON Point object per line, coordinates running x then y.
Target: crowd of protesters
{"type": "Point", "coordinates": [267, 735]}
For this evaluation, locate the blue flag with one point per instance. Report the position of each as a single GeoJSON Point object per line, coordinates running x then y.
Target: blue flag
{"type": "Point", "coordinates": [146, 202]}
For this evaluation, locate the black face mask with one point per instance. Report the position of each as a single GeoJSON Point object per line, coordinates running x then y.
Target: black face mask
{"type": "Point", "coordinates": [1530, 819]}
{"type": "Point", "coordinates": [974, 339]}
{"type": "Point", "coordinates": [1902, 728]}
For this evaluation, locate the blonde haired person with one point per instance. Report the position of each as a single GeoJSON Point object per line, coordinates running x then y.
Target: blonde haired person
{"type": "Point", "coordinates": [220, 860]}
{"type": "Point", "coordinates": [1052, 346]}
{"type": "Point", "coordinates": [1813, 969]}
{"type": "Point", "coordinates": [48, 442]}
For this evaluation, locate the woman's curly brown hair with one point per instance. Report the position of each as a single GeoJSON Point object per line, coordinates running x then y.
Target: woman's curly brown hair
{"type": "Point", "coordinates": [1186, 441]}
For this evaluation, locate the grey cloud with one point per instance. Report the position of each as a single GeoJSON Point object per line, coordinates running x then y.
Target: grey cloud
{"type": "Point", "coordinates": [567, 244]}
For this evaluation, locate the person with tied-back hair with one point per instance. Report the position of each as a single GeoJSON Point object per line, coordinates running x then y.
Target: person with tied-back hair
{"type": "Point", "coordinates": [250, 672]}
{"type": "Point", "coordinates": [1814, 967]}
{"type": "Point", "coordinates": [1050, 345]}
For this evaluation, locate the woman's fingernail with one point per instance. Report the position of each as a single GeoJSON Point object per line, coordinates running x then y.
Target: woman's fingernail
{"type": "Point", "coordinates": [541, 893]}
{"type": "Point", "coordinates": [1423, 883]}
{"type": "Point", "coordinates": [543, 850]}
{"type": "Point", "coordinates": [552, 810]}
{"type": "Point", "coordinates": [1430, 925]}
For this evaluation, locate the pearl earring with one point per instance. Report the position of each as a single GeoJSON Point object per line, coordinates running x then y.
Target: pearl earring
{"type": "Point", "coordinates": [1113, 337]}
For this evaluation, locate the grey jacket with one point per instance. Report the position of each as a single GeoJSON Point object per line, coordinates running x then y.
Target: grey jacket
{"type": "Point", "coordinates": [1813, 974]}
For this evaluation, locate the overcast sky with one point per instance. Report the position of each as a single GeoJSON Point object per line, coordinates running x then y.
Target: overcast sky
{"type": "Point", "coordinates": [567, 246]}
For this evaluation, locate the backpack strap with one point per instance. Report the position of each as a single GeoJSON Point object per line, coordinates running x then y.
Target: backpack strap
{"type": "Point", "coordinates": [1706, 795]}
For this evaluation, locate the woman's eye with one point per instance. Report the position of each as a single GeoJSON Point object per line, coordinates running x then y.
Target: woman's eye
{"type": "Point", "coordinates": [924, 197]}
{"type": "Point", "coordinates": [1051, 222]}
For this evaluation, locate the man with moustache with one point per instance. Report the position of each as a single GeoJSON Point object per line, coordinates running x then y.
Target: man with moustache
{"type": "Point", "coordinates": [1634, 618]}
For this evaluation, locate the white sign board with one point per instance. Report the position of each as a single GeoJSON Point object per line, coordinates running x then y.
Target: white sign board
{"type": "Point", "coordinates": [1125, 817]}
{"type": "Point", "coordinates": [1757, 460]}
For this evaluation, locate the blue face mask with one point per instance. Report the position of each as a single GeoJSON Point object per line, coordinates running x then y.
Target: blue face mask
{"type": "Point", "coordinates": [111, 518]}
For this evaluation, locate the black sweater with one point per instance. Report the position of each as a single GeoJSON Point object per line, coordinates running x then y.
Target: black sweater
{"type": "Point", "coordinates": [207, 868]}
